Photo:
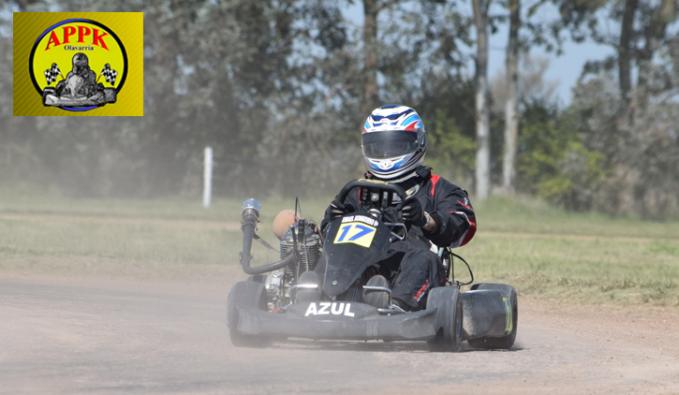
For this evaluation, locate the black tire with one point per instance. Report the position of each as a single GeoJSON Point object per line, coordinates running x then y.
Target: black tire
{"type": "Point", "coordinates": [257, 278]}
{"type": "Point", "coordinates": [377, 298]}
{"type": "Point", "coordinates": [505, 342]}
{"type": "Point", "coordinates": [448, 304]}
{"type": "Point", "coordinates": [308, 295]}
{"type": "Point", "coordinates": [245, 294]}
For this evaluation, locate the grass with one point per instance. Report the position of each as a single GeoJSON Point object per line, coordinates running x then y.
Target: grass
{"type": "Point", "coordinates": [581, 257]}
{"type": "Point", "coordinates": [541, 250]}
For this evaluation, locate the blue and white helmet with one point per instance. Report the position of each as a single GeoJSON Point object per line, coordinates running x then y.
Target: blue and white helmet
{"type": "Point", "coordinates": [394, 141]}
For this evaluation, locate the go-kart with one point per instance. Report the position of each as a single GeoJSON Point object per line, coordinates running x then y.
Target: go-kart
{"type": "Point", "coordinates": [292, 298]}
{"type": "Point", "coordinates": [101, 97]}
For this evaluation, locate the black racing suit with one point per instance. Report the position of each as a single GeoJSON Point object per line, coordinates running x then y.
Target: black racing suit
{"type": "Point", "coordinates": [410, 261]}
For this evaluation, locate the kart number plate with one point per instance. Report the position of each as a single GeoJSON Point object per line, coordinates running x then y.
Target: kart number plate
{"type": "Point", "coordinates": [357, 233]}
{"type": "Point", "coordinates": [329, 308]}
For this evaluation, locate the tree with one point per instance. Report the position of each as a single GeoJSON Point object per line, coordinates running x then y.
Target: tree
{"type": "Point", "coordinates": [654, 32]}
{"type": "Point", "coordinates": [480, 10]}
{"type": "Point", "coordinates": [512, 103]}
{"type": "Point", "coordinates": [625, 49]}
{"type": "Point", "coordinates": [371, 10]}
{"type": "Point", "coordinates": [642, 32]}
{"type": "Point", "coordinates": [532, 84]}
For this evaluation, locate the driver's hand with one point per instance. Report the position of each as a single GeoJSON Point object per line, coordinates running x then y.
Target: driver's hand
{"type": "Point", "coordinates": [412, 213]}
{"type": "Point", "coordinates": [336, 209]}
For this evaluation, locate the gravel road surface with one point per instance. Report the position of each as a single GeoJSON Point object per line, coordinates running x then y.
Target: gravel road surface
{"type": "Point", "coordinates": [100, 336]}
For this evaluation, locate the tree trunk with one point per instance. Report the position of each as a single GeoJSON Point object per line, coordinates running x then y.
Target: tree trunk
{"type": "Point", "coordinates": [654, 34]}
{"type": "Point", "coordinates": [482, 111]}
{"type": "Point", "coordinates": [370, 92]}
{"type": "Point", "coordinates": [512, 104]}
{"type": "Point", "coordinates": [624, 51]}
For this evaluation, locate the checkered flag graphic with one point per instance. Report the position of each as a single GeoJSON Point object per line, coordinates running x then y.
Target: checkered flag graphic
{"type": "Point", "coordinates": [52, 73]}
{"type": "Point", "coordinates": [109, 74]}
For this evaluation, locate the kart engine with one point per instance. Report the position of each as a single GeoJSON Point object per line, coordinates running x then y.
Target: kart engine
{"type": "Point", "coordinates": [304, 235]}
{"type": "Point", "coordinates": [303, 240]}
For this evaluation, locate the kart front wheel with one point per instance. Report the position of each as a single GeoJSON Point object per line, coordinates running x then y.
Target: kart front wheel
{"type": "Point", "coordinates": [250, 295]}
{"type": "Point", "coordinates": [448, 318]}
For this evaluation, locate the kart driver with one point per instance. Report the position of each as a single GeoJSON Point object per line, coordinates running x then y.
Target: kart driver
{"type": "Point", "coordinates": [436, 211]}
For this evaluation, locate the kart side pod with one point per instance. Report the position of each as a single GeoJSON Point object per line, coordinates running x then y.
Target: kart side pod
{"type": "Point", "coordinates": [486, 313]}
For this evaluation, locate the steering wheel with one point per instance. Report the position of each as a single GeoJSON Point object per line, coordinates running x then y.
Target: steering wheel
{"type": "Point", "coordinates": [380, 194]}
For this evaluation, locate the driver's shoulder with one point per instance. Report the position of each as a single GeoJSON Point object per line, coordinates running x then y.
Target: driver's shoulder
{"type": "Point", "coordinates": [438, 185]}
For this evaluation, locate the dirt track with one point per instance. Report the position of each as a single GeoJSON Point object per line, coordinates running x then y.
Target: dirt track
{"type": "Point", "coordinates": [99, 336]}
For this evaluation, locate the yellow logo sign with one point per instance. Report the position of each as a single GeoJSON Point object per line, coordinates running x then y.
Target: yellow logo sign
{"type": "Point", "coordinates": [80, 65]}
{"type": "Point", "coordinates": [357, 233]}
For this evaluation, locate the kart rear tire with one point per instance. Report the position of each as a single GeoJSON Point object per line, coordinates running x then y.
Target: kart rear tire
{"type": "Point", "coordinates": [448, 319]}
{"type": "Point", "coordinates": [245, 294]}
{"type": "Point", "coordinates": [505, 342]}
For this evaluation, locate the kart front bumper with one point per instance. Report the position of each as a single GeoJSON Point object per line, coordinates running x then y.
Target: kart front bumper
{"type": "Point", "coordinates": [417, 325]}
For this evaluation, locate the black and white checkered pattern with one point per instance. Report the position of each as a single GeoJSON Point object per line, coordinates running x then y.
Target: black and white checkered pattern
{"type": "Point", "coordinates": [52, 73]}
{"type": "Point", "coordinates": [109, 74]}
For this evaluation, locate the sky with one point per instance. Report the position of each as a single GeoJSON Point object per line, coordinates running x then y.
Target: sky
{"type": "Point", "coordinates": [564, 70]}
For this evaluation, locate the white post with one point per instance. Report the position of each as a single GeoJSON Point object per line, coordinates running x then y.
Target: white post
{"type": "Point", "coordinates": [207, 177]}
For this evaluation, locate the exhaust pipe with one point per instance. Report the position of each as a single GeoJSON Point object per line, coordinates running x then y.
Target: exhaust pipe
{"type": "Point", "coordinates": [249, 219]}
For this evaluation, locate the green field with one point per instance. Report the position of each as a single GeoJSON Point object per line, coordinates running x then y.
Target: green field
{"type": "Point", "coordinates": [541, 250]}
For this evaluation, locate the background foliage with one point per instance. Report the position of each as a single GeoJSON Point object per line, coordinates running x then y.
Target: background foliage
{"type": "Point", "coordinates": [276, 87]}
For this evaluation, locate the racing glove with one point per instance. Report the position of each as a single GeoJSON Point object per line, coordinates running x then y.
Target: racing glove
{"type": "Point", "coordinates": [412, 213]}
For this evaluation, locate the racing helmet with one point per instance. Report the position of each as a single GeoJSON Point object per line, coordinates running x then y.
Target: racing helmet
{"type": "Point", "coordinates": [393, 141]}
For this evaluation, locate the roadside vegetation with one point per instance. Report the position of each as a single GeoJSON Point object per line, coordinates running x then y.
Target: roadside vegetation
{"type": "Point", "coordinates": [543, 251]}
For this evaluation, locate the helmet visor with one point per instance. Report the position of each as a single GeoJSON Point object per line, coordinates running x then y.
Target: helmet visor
{"type": "Point", "coordinates": [382, 145]}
